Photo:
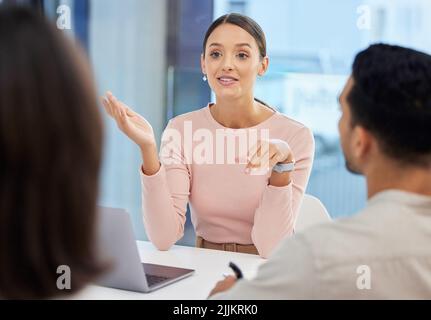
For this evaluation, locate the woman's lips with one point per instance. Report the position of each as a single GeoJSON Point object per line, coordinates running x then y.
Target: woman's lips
{"type": "Point", "coordinates": [227, 81]}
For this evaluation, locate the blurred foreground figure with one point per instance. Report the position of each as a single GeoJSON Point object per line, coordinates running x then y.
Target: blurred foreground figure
{"type": "Point", "coordinates": [50, 153]}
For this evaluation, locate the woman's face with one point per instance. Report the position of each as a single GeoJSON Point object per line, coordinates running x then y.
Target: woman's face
{"type": "Point", "coordinates": [232, 62]}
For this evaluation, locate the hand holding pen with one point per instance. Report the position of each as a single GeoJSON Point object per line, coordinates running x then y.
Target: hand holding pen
{"type": "Point", "coordinates": [229, 281]}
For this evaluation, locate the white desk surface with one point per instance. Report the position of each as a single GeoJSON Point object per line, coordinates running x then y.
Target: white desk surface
{"type": "Point", "coordinates": [209, 265]}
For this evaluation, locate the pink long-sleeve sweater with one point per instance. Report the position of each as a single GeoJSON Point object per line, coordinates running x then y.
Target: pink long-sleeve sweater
{"type": "Point", "coordinates": [227, 205]}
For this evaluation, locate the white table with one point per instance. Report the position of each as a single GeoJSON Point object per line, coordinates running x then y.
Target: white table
{"type": "Point", "coordinates": [210, 265]}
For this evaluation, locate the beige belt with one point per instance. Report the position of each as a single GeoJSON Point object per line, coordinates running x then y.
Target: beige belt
{"type": "Point", "coordinates": [233, 247]}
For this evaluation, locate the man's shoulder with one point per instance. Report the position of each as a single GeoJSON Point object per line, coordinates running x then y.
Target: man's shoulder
{"type": "Point", "coordinates": [341, 240]}
{"type": "Point", "coordinates": [376, 233]}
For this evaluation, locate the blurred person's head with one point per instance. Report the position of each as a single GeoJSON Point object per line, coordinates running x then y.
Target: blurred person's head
{"type": "Point", "coordinates": [50, 153]}
{"type": "Point", "coordinates": [234, 55]}
{"type": "Point", "coordinates": [386, 110]}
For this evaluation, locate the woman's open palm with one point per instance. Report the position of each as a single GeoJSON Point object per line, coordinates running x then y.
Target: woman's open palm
{"type": "Point", "coordinates": [136, 127]}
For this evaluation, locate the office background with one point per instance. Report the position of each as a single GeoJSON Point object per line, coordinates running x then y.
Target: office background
{"type": "Point", "coordinates": [147, 52]}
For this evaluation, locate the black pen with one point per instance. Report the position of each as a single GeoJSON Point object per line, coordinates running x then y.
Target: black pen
{"type": "Point", "coordinates": [235, 269]}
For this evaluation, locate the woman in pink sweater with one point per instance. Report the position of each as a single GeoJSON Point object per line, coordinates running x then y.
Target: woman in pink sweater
{"type": "Point", "coordinates": [242, 166]}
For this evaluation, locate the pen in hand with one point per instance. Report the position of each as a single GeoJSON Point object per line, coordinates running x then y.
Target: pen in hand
{"type": "Point", "coordinates": [236, 270]}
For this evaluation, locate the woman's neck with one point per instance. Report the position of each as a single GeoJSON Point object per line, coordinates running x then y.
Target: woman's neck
{"type": "Point", "coordinates": [239, 113]}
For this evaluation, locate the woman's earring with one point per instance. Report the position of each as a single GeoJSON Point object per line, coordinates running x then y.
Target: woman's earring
{"type": "Point", "coordinates": [204, 78]}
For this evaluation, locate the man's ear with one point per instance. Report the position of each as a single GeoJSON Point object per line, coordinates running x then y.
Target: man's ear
{"type": "Point", "coordinates": [363, 141]}
{"type": "Point", "coordinates": [203, 64]}
{"type": "Point", "coordinates": [264, 64]}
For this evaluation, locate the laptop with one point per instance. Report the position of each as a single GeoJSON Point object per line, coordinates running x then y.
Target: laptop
{"type": "Point", "coordinates": [117, 246]}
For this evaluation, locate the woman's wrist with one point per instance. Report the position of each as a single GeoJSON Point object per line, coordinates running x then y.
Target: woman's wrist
{"type": "Point", "coordinates": [150, 158]}
{"type": "Point", "coordinates": [281, 179]}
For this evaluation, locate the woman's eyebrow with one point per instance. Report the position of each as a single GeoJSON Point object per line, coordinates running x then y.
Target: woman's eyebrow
{"type": "Point", "coordinates": [215, 45]}
{"type": "Point", "coordinates": [244, 44]}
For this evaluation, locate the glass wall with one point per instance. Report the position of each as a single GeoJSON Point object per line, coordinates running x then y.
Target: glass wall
{"type": "Point", "coordinates": [128, 50]}
{"type": "Point", "coordinates": [147, 53]}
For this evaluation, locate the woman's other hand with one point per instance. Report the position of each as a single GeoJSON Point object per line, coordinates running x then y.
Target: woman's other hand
{"type": "Point", "coordinates": [136, 127]}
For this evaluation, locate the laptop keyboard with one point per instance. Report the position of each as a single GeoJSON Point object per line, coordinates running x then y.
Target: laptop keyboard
{"type": "Point", "coordinates": [153, 280]}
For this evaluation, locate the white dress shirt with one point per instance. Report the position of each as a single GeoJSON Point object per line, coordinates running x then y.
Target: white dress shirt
{"type": "Point", "coordinates": [383, 252]}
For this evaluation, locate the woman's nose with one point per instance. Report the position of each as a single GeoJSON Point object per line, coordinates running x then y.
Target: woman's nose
{"type": "Point", "coordinates": [227, 64]}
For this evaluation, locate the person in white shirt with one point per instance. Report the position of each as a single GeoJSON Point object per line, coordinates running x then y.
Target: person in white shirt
{"type": "Point", "coordinates": [384, 251]}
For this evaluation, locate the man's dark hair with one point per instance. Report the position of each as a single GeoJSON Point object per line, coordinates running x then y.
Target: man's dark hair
{"type": "Point", "coordinates": [50, 154]}
{"type": "Point", "coordinates": [391, 97]}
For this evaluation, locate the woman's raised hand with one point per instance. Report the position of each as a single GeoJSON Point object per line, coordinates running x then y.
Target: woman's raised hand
{"type": "Point", "coordinates": [136, 127]}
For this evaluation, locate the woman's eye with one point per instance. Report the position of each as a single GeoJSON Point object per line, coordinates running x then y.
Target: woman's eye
{"type": "Point", "coordinates": [242, 55]}
{"type": "Point", "coordinates": [215, 54]}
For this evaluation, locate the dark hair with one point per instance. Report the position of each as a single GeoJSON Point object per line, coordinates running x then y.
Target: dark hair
{"type": "Point", "coordinates": [50, 154]}
{"type": "Point", "coordinates": [243, 22]}
{"type": "Point", "coordinates": [391, 97]}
